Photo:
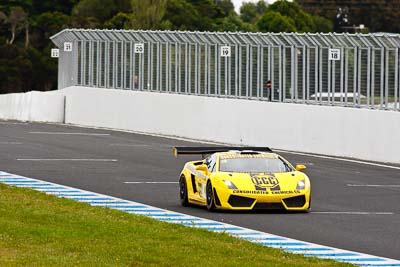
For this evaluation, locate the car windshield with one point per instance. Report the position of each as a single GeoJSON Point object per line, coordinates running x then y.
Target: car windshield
{"type": "Point", "coordinates": [254, 164]}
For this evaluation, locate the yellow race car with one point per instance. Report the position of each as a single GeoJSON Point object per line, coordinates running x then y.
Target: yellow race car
{"type": "Point", "coordinates": [242, 178]}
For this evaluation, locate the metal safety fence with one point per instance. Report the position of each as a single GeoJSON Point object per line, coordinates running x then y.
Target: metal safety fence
{"type": "Point", "coordinates": [357, 70]}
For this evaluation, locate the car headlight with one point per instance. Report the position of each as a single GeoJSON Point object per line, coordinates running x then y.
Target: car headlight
{"type": "Point", "coordinates": [229, 184]}
{"type": "Point", "coordinates": [300, 185]}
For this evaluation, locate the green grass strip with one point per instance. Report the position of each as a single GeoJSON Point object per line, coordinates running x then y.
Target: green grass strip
{"type": "Point", "coordinates": [42, 230]}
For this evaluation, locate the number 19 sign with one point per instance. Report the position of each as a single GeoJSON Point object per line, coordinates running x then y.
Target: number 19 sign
{"type": "Point", "coordinates": [225, 51]}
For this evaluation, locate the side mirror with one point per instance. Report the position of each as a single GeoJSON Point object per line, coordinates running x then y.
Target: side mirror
{"type": "Point", "coordinates": [300, 167]}
{"type": "Point", "coordinates": [202, 168]}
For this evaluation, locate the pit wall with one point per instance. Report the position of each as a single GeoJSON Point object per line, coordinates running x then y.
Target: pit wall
{"type": "Point", "coordinates": [337, 131]}
{"type": "Point", "coordinates": [33, 106]}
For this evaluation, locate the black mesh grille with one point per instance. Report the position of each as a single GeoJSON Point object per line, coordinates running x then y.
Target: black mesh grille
{"type": "Point", "coordinates": [293, 202]}
{"type": "Point", "coordinates": [268, 206]}
{"type": "Point", "coordinates": [217, 201]}
{"type": "Point", "coordinates": [237, 201]}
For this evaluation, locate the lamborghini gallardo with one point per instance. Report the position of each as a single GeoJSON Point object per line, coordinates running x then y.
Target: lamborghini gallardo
{"type": "Point", "coordinates": [242, 178]}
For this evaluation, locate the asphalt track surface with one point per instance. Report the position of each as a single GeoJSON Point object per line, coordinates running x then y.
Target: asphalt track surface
{"type": "Point", "coordinates": [354, 206]}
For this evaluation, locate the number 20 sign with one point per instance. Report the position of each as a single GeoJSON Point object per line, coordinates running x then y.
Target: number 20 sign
{"type": "Point", "coordinates": [225, 51]}
{"type": "Point", "coordinates": [139, 48]}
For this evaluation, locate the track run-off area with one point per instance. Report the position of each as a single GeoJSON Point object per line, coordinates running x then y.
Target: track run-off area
{"type": "Point", "coordinates": [355, 204]}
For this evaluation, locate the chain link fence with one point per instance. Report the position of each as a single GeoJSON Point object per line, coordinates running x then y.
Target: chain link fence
{"type": "Point", "coordinates": [355, 70]}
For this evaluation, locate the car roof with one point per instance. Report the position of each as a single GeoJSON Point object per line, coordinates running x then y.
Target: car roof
{"type": "Point", "coordinates": [246, 154]}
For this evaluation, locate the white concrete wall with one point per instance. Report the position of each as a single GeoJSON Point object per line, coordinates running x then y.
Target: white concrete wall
{"type": "Point", "coordinates": [349, 132]}
{"type": "Point", "coordinates": [33, 106]}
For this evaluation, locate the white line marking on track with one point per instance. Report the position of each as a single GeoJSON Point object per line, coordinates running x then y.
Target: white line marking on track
{"type": "Point", "coordinates": [129, 145]}
{"type": "Point", "coordinates": [150, 182]}
{"type": "Point", "coordinates": [66, 133]}
{"type": "Point", "coordinates": [112, 160]}
{"type": "Point", "coordinates": [375, 185]}
{"type": "Point", "coordinates": [340, 159]}
{"type": "Point", "coordinates": [353, 212]}
{"type": "Point", "coordinates": [14, 123]}
{"type": "Point", "coordinates": [10, 143]}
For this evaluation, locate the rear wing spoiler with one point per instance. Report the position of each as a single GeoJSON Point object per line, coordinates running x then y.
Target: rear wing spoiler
{"type": "Point", "coordinates": [204, 150]}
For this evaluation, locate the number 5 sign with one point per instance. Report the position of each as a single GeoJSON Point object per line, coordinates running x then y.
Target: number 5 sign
{"type": "Point", "coordinates": [334, 54]}
{"type": "Point", "coordinates": [225, 51]}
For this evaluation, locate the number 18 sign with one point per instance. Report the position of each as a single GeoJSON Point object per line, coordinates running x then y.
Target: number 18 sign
{"type": "Point", "coordinates": [334, 54]}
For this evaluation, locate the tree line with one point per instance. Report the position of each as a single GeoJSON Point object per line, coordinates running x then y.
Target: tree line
{"type": "Point", "coordinates": [26, 25]}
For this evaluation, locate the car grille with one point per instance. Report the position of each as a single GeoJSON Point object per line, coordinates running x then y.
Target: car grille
{"type": "Point", "coordinates": [217, 201]}
{"type": "Point", "coordinates": [238, 201]}
{"type": "Point", "coordinates": [268, 206]}
{"type": "Point", "coordinates": [293, 202]}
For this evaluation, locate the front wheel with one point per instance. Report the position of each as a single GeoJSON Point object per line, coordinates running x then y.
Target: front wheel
{"type": "Point", "coordinates": [308, 210]}
{"type": "Point", "coordinates": [210, 197]}
{"type": "Point", "coordinates": [183, 192]}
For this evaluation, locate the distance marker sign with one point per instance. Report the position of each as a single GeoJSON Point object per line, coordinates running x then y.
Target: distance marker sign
{"type": "Point", "coordinates": [225, 51]}
{"type": "Point", "coordinates": [334, 54]}
{"type": "Point", "coordinates": [67, 47]}
{"type": "Point", "coordinates": [139, 48]}
{"type": "Point", "coordinates": [55, 52]}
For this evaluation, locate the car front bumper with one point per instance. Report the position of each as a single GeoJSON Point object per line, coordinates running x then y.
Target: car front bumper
{"type": "Point", "coordinates": [266, 200]}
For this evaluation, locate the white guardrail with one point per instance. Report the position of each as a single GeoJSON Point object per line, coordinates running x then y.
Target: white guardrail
{"type": "Point", "coordinates": [329, 130]}
{"type": "Point", "coordinates": [33, 106]}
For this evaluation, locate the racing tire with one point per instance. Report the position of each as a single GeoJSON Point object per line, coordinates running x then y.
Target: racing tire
{"type": "Point", "coordinates": [308, 210]}
{"type": "Point", "coordinates": [183, 192]}
{"type": "Point", "coordinates": [210, 197]}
